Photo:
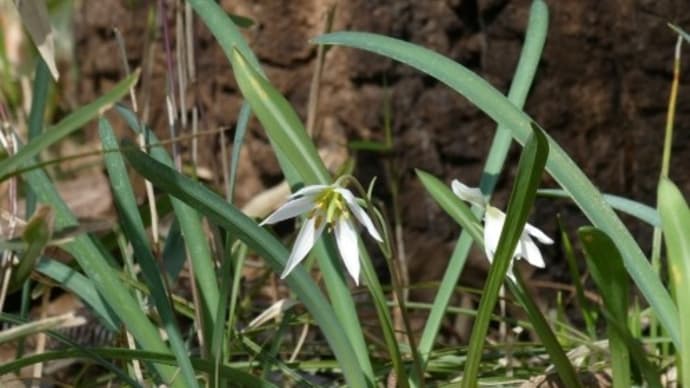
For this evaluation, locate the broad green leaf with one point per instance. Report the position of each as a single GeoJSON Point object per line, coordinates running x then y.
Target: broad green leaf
{"type": "Point", "coordinates": [675, 221]}
{"type": "Point", "coordinates": [606, 266]}
{"type": "Point", "coordinates": [280, 121]}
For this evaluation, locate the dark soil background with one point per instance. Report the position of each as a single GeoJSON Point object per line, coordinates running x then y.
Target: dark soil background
{"type": "Point", "coordinates": [601, 92]}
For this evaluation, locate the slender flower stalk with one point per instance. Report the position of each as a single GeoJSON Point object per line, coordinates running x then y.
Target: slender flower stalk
{"type": "Point", "coordinates": [331, 207]}
{"type": "Point", "coordinates": [494, 219]}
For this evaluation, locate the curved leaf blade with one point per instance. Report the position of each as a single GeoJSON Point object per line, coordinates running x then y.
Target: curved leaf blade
{"type": "Point", "coordinates": [559, 164]}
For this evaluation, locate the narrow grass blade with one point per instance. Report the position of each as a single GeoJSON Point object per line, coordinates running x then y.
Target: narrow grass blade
{"type": "Point", "coordinates": [38, 326]}
{"type": "Point", "coordinates": [519, 88]}
{"type": "Point", "coordinates": [68, 125]}
{"type": "Point", "coordinates": [238, 377]}
{"type": "Point", "coordinates": [39, 98]}
{"type": "Point", "coordinates": [262, 242]}
{"type": "Point", "coordinates": [585, 308]}
{"type": "Point", "coordinates": [280, 121]}
{"type": "Point", "coordinates": [96, 268]}
{"type": "Point", "coordinates": [680, 32]}
{"type": "Point", "coordinates": [238, 141]}
{"type": "Point", "coordinates": [34, 15]}
{"type": "Point", "coordinates": [559, 165]}
{"type": "Point", "coordinates": [133, 228]}
{"type": "Point", "coordinates": [17, 364]}
{"type": "Point", "coordinates": [675, 221]}
{"type": "Point", "coordinates": [196, 243]}
{"type": "Point", "coordinates": [636, 209]}
{"type": "Point", "coordinates": [530, 169]}
{"type": "Point", "coordinates": [95, 265]}
{"type": "Point", "coordinates": [224, 29]}
{"type": "Point", "coordinates": [606, 266]}
{"type": "Point", "coordinates": [37, 233]}
{"type": "Point", "coordinates": [80, 285]}
{"type": "Point", "coordinates": [174, 251]}
{"type": "Point", "coordinates": [230, 277]}
{"type": "Point", "coordinates": [648, 371]}
{"type": "Point", "coordinates": [559, 359]}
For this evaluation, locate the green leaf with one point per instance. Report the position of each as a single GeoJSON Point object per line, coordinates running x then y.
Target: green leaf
{"type": "Point", "coordinates": [189, 220]}
{"type": "Point", "coordinates": [133, 228]}
{"type": "Point", "coordinates": [675, 221]}
{"type": "Point", "coordinates": [519, 88]}
{"type": "Point", "coordinates": [238, 141]}
{"type": "Point", "coordinates": [295, 148]}
{"type": "Point", "coordinates": [95, 265]}
{"type": "Point", "coordinates": [280, 121]}
{"type": "Point", "coordinates": [636, 209]}
{"type": "Point", "coordinates": [559, 165]}
{"type": "Point", "coordinates": [241, 21]}
{"type": "Point", "coordinates": [560, 360]}
{"type": "Point", "coordinates": [530, 169]}
{"type": "Point", "coordinates": [585, 307]}
{"type": "Point", "coordinates": [680, 31]}
{"type": "Point", "coordinates": [16, 365]}
{"type": "Point", "coordinates": [224, 214]}
{"type": "Point", "coordinates": [73, 281]}
{"type": "Point", "coordinates": [238, 377]}
{"type": "Point", "coordinates": [37, 233]}
{"type": "Point", "coordinates": [34, 15]}
{"type": "Point", "coordinates": [606, 266]}
{"type": "Point", "coordinates": [68, 125]}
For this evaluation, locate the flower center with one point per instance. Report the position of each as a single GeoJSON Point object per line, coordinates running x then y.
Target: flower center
{"type": "Point", "coordinates": [331, 204]}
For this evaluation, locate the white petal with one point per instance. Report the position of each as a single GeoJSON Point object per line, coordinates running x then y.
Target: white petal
{"type": "Point", "coordinates": [303, 243]}
{"type": "Point", "coordinates": [360, 214]}
{"type": "Point", "coordinates": [538, 234]}
{"type": "Point", "coordinates": [309, 190]}
{"type": "Point", "coordinates": [290, 209]}
{"type": "Point", "coordinates": [493, 225]}
{"type": "Point", "coordinates": [470, 194]}
{"type": "Point", "coordinates": [346, 237]}
{"type": "Point", "coordinates": [529, 251]}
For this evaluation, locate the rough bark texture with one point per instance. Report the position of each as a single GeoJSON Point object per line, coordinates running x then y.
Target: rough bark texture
{"type": "Point", "coordinates": [601, 92]}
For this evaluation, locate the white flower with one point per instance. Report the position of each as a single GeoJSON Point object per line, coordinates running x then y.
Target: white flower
{"type": "Point", "coordinates": [494, 219]}
{"type": "Point", "coordinates": [325, 205]}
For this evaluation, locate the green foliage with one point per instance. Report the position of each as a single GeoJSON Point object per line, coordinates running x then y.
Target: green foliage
{"type": "Point", "coordinates": [356, 352]}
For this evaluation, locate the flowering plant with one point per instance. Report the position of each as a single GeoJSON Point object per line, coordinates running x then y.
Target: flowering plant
{"type": "Point", "coordinates": [325, 206]}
